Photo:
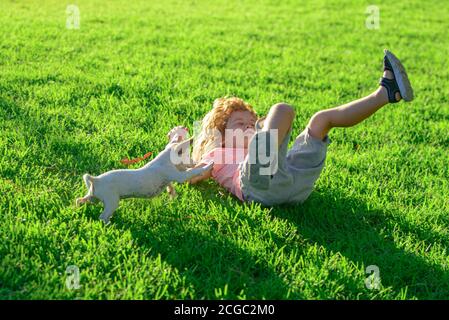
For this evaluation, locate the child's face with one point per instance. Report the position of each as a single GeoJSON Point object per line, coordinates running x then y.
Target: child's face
{"type": "Point", "coordinates": [239, 120]}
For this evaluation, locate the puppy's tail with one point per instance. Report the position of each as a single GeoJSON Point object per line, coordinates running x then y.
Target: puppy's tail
{"type": "Point", "coordinates": [89, 181]}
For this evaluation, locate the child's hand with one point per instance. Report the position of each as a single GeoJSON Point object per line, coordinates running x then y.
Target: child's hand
{"type": "Point", "coordinates": [177, 134]}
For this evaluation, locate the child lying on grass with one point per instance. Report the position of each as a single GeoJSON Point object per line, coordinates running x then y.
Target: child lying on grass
{"type": "Point", "coordinates": [237, 142]}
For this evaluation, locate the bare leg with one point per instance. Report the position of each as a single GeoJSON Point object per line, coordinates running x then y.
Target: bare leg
{"type": "Point", "coordinates": [349, 114]}
{"type": "Point", "coordinates": [279, 117]}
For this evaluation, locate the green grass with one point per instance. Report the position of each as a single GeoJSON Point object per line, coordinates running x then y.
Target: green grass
{"type": "Point", "coordinates": [77, 101]}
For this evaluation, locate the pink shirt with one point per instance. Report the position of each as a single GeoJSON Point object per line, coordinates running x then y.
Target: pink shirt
{"type": "Point", "coordinates": [225, 170]}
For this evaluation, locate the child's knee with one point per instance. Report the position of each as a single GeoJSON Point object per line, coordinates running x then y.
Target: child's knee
{"type": "Point", "coordinates": [283, 108]}
{"type": "Point", "coordinates": [320, 117]}
{"type": "Point", "coordinates": [320, 124]}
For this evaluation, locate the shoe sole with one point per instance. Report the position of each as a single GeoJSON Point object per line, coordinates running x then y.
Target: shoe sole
{"type": "Point", "coordinates": [405, 88]}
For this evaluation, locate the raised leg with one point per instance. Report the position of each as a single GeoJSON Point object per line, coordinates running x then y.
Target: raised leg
{"type": "Point", "coordinates": [280, 118]}
{"type": "Point", "coordinates": [349, 114]}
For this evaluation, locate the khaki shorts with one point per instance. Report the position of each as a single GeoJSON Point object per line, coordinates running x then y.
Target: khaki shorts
{"type": "Point", "coordinates": [294, 179]}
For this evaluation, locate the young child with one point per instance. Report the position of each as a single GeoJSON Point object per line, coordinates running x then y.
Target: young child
{"type": "Point", "coordinates": [293, 179]}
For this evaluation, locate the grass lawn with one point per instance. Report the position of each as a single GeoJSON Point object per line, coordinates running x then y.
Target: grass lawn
{"type": "Point", "coordinates": [77, 101]}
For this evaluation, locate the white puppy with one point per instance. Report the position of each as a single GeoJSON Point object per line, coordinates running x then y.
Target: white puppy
{"type": "Point", "coordinates": [148, 181]}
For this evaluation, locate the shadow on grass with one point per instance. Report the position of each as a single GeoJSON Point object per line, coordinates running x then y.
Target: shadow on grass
{"type": "Point", "coordinates": [349, 226]}
{"type": "Point", "coordinates": [365, 236]}
{"type": "Point", "coordinates": [209, 262]}
{"type": "Point", "coordinates": [338, 223]}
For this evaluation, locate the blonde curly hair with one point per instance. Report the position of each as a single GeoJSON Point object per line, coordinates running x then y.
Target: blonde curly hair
{"type": "Point", "coordinates": [215, 121]}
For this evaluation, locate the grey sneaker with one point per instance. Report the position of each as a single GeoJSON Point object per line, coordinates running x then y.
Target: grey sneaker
{"type": "Point", "coordinates": [400, 83]}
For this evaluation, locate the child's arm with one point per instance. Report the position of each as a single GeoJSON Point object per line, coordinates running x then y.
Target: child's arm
{"type": "Point", "coordinates": [206, 175]}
